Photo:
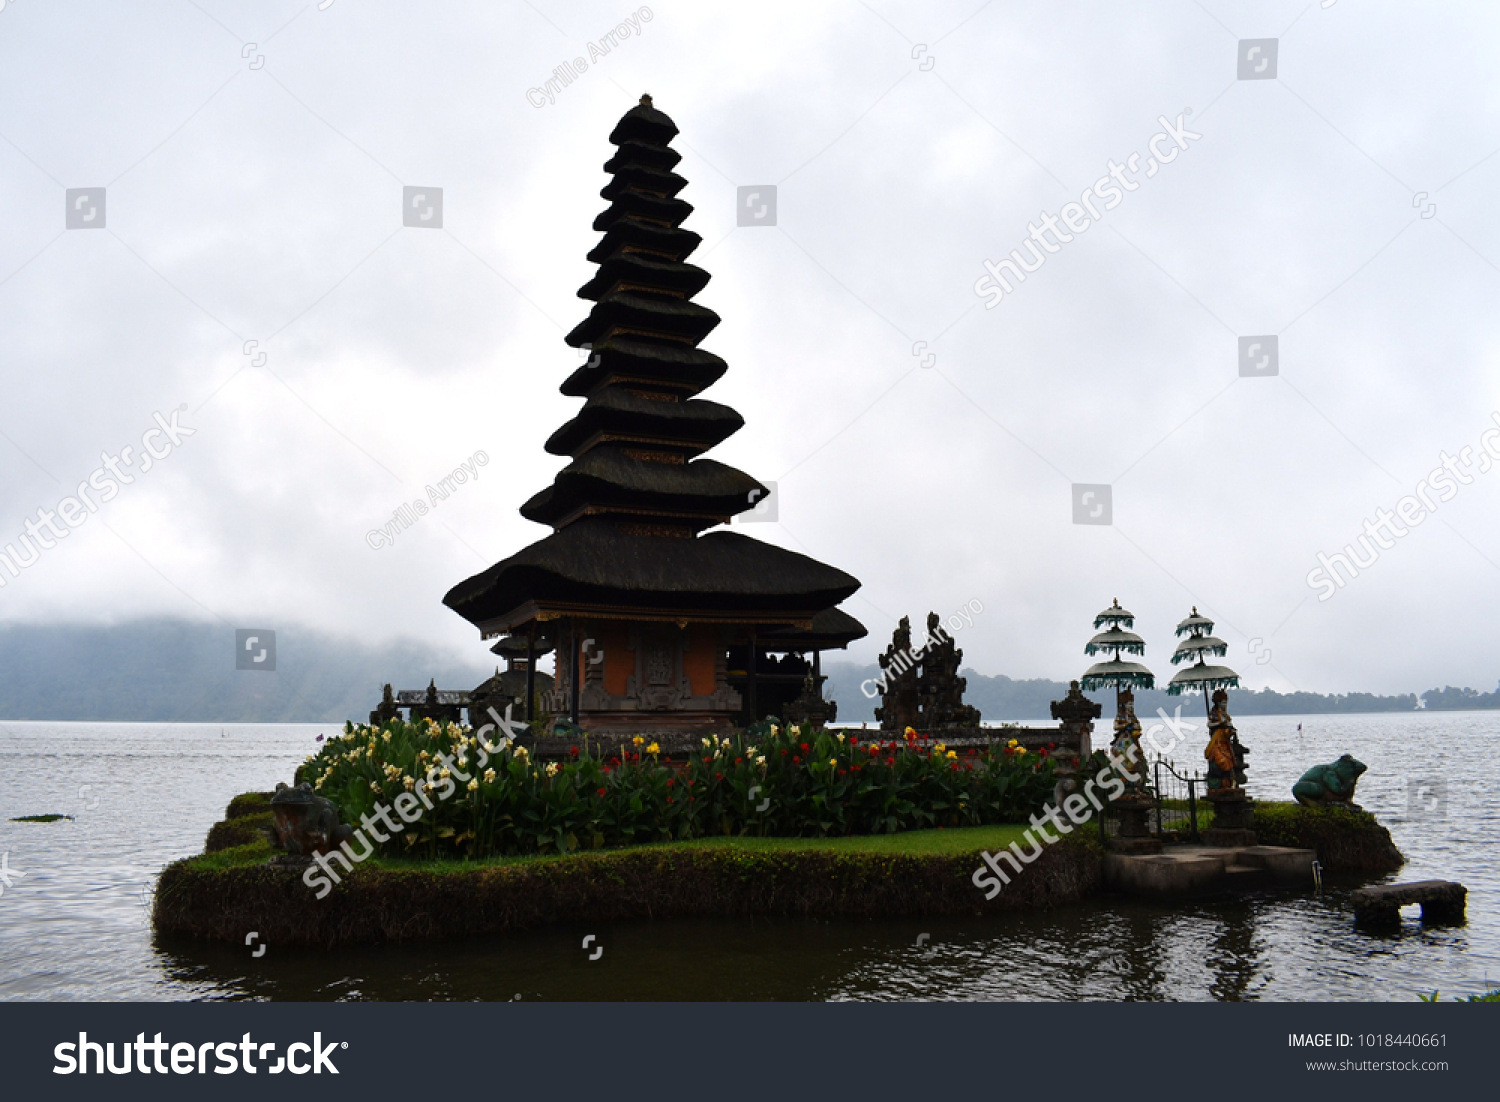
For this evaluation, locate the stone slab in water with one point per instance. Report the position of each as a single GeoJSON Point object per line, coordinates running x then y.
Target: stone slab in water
{"type": "Point", "coordinates": [1441, 900]}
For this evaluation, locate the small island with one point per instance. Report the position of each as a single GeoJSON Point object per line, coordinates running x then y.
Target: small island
{"type": "Point", "coordinates": [681, 758]}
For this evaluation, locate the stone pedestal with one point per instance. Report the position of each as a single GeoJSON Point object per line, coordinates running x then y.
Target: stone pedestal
{"type": "Point", "coordinates": [1135, 830]}
{"type": "Point", "coordinates": [1233, 816]}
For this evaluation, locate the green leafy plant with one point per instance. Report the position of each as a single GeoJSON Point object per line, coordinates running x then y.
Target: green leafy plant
{"type": "Point", "coordinates": [493, 799]}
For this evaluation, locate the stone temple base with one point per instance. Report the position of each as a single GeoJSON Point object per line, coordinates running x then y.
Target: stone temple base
{"type": "Point", "coordinates": [1234, 814]}
{"type": "Point", "coordinates": [1183, 870]}
{"type": "Point", "coordinates": [1228, 837]}
{"type": "Point", "coordinates": [1134, 846]}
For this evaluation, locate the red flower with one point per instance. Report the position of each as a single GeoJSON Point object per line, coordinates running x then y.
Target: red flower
{"type": "Point", "coordinates": [670, 800]}
{"type": "Point", "coordinates": [671, 783]}
{"type": "Point", "coordinates": [796, 759]}
{"type": "Point", "coordinates": [804, 747]}
{"type": "Point", "coordinates": [843, 772]}
{"type": "Point", "coordinates": [603, 791]}
{"type": "Point", "coordinates": [718, 776]}
{"type": "Point", "coordinates": [708, 761]}
{"type": "Point", "coordinates": [573, 752]}
{"type": "Point", "coordinates": [954, 766]}
{"type": "Point", "coordinates": [783, 751]}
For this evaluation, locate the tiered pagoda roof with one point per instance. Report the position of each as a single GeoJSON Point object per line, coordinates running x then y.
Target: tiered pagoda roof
{"type": "Point", "coordinates": [630, 509]}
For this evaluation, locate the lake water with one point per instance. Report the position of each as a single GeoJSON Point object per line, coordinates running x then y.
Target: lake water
{"type": "Point", "coordinates": [74, 921]}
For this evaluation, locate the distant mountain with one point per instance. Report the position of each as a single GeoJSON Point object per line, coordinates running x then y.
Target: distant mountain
{"type": "Point", "coordinates": [166, 670]}
{"type": "Point", "coordinates": [184, 671]}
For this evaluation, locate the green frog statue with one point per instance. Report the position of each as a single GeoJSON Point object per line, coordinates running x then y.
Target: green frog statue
{"type": "Point", "coordinates": [1330, 785]}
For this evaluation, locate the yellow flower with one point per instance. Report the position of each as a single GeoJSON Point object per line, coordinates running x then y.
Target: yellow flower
{"type": "Point", "coordinates": [1020, 750]}
{"type": "Point", "coordinates": [489, 776]}
{"type": "Point", "coordinates": [952, 755]}
{"type": "Point", "coordinates": [653, 749]}
{"type": "Point", "coordinates": [638, 740]}
{"type": "Point", "coordinates": [832, 764]}
{"type": "Point", "coordinates": [940, 748]}
{"type": "Point", "coordinates": [408, 783]}
{"type": "Point", "coordinates": [473, 786]}
{"type": "Point", "coordinates": [374, 787]}
{"type": "Point", "coordinates": [1012, 743]}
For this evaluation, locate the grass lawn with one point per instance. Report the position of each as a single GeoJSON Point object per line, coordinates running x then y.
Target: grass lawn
{"type": "Point", "coordinates": [913, 842]}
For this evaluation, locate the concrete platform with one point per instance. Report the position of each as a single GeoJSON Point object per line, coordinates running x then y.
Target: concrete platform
{"type": "Point", "coordinates": [1182, 870]}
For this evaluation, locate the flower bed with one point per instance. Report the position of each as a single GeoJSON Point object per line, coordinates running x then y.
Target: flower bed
{"type": "Point", "coordinates": [464, 796]}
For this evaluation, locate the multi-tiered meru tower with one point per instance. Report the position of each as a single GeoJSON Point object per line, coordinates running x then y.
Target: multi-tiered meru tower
{"type": "Point", "coordinates": [642, 606]}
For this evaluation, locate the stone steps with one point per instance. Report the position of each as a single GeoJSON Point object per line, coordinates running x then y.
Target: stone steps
{"type": "Point", "coordinates": [1183, 870]}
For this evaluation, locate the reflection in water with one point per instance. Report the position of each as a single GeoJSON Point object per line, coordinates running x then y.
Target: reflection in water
{"type": "Point", "coordinates": [1276, 945]}
{"type": "Point", "coordinates": [75, 926]}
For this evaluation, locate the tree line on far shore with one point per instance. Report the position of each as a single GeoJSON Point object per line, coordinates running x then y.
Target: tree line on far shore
{"type": "Point", "coordinates": [1000, 698]}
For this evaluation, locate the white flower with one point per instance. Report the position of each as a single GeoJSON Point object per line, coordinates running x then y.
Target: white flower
{"type": "Point", "coordinates": [708, 742]}
{"type": "Point", "coordinates": [760, 759]}
{"type": "Point", "coordinates": [552, 769]}
{"type": "Point", "coordinates": [374, 787]}
{"type": "Point", "coordinates": [724, 743]}
{"type": "Point", "coordinates": [489, 776]}
{"type": "Point", "coordinates": [840, 737]}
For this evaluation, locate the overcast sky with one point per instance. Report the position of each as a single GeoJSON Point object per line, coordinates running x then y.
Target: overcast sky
{"type": "Point", "coordinates": [254, 155]}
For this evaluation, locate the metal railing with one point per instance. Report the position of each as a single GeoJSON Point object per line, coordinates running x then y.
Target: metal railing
{"type": "Point", "coordinates": [1176, 798]}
